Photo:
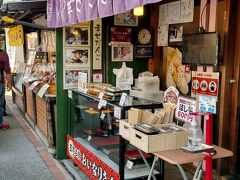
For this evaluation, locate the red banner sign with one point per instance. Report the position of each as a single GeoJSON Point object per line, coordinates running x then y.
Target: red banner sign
{"type": "Point", "coordinates": [90, 164]}
{"type": "Point", "coordinates": [205, 83]}
{"type": "Point", "coordinates": [121, 34]}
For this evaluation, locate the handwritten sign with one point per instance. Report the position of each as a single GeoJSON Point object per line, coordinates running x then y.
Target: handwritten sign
{"type": "Point", "coordinates": [43, 90]}
{"type": "Point", "coordinates": [102, 103]}
{"type": "Point", "coordinates": [117, 112]}
{"type": "Point", "coordinates": [97, 44]}
{"type": "Point", "coordinates": [16, 37]}
{"type": "Point", "coordinates": [82, 81]}
{"type": "Point", "coordinates": [185, 106]}
{"type": "Point", "coordinates": [33, 85]}
{"type": "Point", "coordinates": [70, 94]}
{"type": "Point", "coordinates": [123, 99]}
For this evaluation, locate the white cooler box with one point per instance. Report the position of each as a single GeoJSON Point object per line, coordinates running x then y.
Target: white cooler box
{"type": "Point", "coordinates": [147, 85]}
{"type": "Point", "coordinates": [151, 96]}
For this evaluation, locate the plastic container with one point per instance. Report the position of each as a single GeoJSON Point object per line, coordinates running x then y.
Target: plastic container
{"type": "Point", "coordinates": [156, 96]}
{"type": "Point", "coordinates": [147, 85]}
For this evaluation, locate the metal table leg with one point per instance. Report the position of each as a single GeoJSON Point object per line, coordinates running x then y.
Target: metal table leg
{"type": "Point", "coordinates": [147, 164]}
{"type": "Point", "coordinates": [182, 172]}
{"type": "Point", "coordinates": [198, 173]}
{"type": "Point", "coordinates": [152, 168]}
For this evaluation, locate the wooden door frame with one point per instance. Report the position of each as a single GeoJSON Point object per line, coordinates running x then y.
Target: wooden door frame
{"type": "Point", "coordinates": [228, 124]}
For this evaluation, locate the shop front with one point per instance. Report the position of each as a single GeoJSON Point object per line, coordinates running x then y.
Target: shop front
{"type": "Point", "coordinates": [32, 52]}
{"type": "Point", "coordinates": [112, 65]}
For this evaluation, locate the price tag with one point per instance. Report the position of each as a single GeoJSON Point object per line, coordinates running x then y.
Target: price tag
{"type": "Point", "coordinates": [102, 103]}
{"type": "Point", "coordinates": [102, 116]}
{"type": "Point", "coordinates": [101, 94]}
{"type": "Point", "coordinates": [117, 112]}
{"type": "Point", "coordinates": [123, 99]}
{"type": "Point", "coordinates": [43, 90]}
{"type": "Point", "coordinates": [33, 85]}
{"type": "Point", "coordinates": [70, 94]}
{"type": "Point", "coordinates": [129, 164]}
{"type": "Point", "coordinates": [89, 138]}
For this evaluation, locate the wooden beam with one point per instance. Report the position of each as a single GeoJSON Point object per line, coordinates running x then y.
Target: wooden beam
{"type": "Point", "coordinates": [226, 88]}
{"type": "Point", "coordinates": [212, 16]}
{"type": "Point", "coordinates": [234, 101]}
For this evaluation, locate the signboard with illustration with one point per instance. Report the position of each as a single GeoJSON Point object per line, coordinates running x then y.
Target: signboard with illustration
{"type": "Point", "coordinates": [205, 83]}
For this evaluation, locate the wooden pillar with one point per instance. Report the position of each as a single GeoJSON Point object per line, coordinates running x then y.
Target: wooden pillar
{"type": "Point", "coordinates": [226, 115]}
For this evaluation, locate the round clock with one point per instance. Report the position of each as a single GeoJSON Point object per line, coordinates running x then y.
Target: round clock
{"type": "Point", "coordinates": [144, 36]}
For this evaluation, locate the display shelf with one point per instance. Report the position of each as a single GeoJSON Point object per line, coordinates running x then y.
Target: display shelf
{"type": "Point", "coordinates": [129, 174]}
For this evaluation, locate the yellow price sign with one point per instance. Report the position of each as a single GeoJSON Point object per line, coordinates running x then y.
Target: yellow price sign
{"type": "Point", "coordinates": [16, 37]}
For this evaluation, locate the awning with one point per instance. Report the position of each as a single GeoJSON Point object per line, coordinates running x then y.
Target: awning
{"type": "Point", "coordinates": [67, 12]}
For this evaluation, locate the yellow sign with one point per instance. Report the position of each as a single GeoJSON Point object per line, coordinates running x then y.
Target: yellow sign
{"type": "Point", "coordinates": [16, 37]}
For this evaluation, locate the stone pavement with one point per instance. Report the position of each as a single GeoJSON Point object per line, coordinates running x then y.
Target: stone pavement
{"type": "Point", "coordinates": [22, 154]}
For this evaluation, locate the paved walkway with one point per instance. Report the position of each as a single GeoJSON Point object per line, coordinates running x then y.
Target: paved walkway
{"type": "Point", "coordinates": [22, 154]}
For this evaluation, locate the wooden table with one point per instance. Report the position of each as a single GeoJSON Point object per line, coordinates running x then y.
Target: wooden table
{"type": "Point", "coordinates": [178, 157]}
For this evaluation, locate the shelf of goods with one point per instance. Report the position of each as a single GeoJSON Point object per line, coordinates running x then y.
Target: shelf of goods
{"type": "Point", "coordinates": [94, 141]}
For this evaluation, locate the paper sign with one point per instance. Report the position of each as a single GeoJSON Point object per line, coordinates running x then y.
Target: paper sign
{"type": "Point", "coordinates": [97, 77]}
{"type": "Point", "coordinates": [185, 106]}
{"type": "Point", "coordinates": [174, 12]}
{"type": "Point", "coordinates": [117, 112]}
{"type": "Point", "coordinates": [163, 35]}
{"type": "Point", "coordinates": [187, 11]}
{"type": "Point", "coordinates": [82, 80]}
{"type": "Point", "coordinates": [70, 94]}
{"type": "Point", "coordinates": [123, 99]}
{"type": "Point", "coordinates": [102, 116]}
{"type": "Point", "coordinates": [129, 164]}
{"type": "Point", "coordinates": [102, 103]}
{"type": "Point", "coordinates": [43, 90]}
{"type": "Point", "coordinates": [33, 85]}
{"type": "Point", "coordinates": [207, 104]}
{"type": "Point", "coordinates": [101, 94]}
{"type": "Point", "coordinates": [89, 138]}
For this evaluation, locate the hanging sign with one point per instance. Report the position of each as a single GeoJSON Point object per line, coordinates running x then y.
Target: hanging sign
{"type": "Point", "coordinates": [16, 37]}
{"type": "Point", "coordinates": [97, 44]}
{"type": "Point", "coordinates": [185, 106]}
{"type": "Point", "coordinates": [90, 164]}
{"type": "Point", "coordinates": [121, 34]}
{"type": "Point", "coordinates": [82, 81]}
{"type": "Point", "coordinates": [205, 83]}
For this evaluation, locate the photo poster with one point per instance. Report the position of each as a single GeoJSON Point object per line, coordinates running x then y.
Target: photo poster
{"type": "Point", "coordinates": [122, 52]}
{"type": "Point", "coordinates": [76, 57]}
{"type": "Point", "coordinates": [125, 19]}
{"type": "Point", "coordinates": [163, 35]}
{"type": "Point", "coordinates": [71, 78]}
{"type": "Point", "coordinates": [175, 33]}
{"type": "Point", "coordinates": [163, 15]}
{"type": "Point", "coordinates": [76, 36]}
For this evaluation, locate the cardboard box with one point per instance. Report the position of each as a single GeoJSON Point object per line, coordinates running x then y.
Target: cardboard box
{"type": "Point", "coordinates": [159, 142]}
{"type": "Point", "coordinates": [134, 115]}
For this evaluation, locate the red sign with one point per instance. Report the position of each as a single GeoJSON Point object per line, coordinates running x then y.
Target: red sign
{"type": "Point", "coordinates": [90, 164]}
{"type": "Point", "coordinates": [205, 83]}
{"type": "Point", "coordinates": [121, 34]}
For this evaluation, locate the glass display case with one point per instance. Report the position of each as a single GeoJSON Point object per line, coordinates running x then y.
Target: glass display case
{"type": "Point", "coordinates": [94, 141]}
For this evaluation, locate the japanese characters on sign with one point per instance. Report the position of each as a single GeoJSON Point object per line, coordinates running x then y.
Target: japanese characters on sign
{"type": "Point", "coordinates": [94, 167]}
{"type": "Point", "coordinates": [97, 44]}
{"type": "Point", "coordinates": [16, 37]}
{"type": "Point", "coordinates": [62, 14]}
{"type": "Point", "coordinates": [185, 106]}
{"type": "Point", "coordinates": [204, 83]}
{"type": "Point", "coordinates": [121, 34]}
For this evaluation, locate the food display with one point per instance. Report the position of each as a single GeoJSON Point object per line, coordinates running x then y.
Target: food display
{"type": "Point", "coordinates": [109, 92]}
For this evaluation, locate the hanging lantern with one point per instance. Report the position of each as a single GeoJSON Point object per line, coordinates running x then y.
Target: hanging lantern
{"type": "Point", "coordinates": [138, 11]}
